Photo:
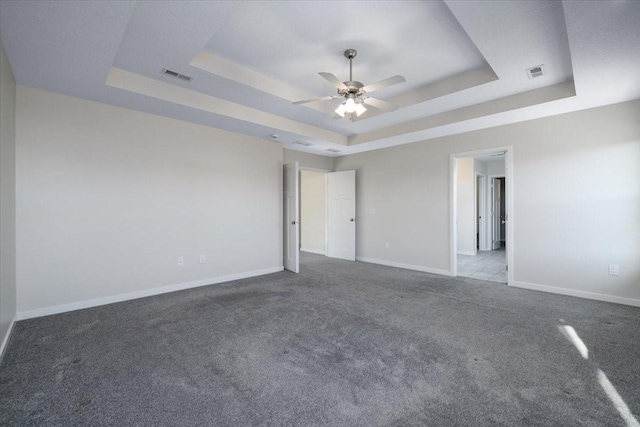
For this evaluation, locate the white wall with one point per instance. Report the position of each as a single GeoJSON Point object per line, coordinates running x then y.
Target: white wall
{"type": "Point", "coordinates": [308, 160]}
{"type": "Point", "coordinates": [465, 176]}
{"type": "Point", "coordinates": [108, 198]}
{"type": "Point", "coordinates": [565, 235]}
{"type": "Point", "coordinates": [495, 168]}
{"type": "Point", "coordinates": [7, 199]}
{"type": "Point", "coordinates": [313, 197]}
{"type": "Point", "coordinates": [480, 166]}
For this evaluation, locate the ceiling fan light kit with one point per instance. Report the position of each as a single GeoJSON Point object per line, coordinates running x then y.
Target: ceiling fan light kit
{"type": "Point", "coordinates": [355, 95]}
{"type": "Point", "coordinates": [351, 105]}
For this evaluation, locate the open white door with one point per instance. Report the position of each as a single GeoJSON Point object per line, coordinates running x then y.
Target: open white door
{"type": "Point", "coordinates": [496, 213]}
{"type": "Point", "coordinates": [481, 199]}
{"type": "Point", "coordinates": [341, 225]}
{"type": "Point", "coordinates": [291, 238]}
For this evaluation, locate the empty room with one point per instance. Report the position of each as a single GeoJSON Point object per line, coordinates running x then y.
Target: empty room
{"type": "Point", "coordinates": [294, 213]}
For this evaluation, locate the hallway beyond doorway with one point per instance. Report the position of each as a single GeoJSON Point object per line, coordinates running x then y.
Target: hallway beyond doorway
{"type": "Point", "coordinates": [486, 265]}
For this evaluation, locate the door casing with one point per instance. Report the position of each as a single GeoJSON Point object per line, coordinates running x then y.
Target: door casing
{"type": "Point", "coordinates": [509, 188]}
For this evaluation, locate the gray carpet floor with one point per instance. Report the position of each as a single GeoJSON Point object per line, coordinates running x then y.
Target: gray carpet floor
{"type": "Point", "coordinates": [342, 343]}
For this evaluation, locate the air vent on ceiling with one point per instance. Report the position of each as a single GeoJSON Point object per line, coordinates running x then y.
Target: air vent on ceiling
{"type": "Point", "coordinates": [305, 143]}
{"type": "Point", "coordinates": [333, 150]}
{"type": "Point", "coordinates": [172, 73]}
{"type": "Point", "coordinates": [534, 72]}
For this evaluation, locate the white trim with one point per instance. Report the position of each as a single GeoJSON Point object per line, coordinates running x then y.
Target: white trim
{"type": "Point", "coordinates": [453, 215]}
{"type": "Point", "coordinates": [509, 215]}
{"type": "Point", "coordinates": [405, 266]}
{"type": "Point", "coordinates": [575, 293]}
{"type": "Point", "coordinates": [313, 251]}
{"type": "Point", "coordinates": [5, 340]}
{"type": "Point", "coordinates": [472, 253]}
{"type": "Point", "coordinates": [304, 168]}
{"type": "Point", "coordinates": [79, 305]}
{"type": "Point", "coordinates": [326, 214]}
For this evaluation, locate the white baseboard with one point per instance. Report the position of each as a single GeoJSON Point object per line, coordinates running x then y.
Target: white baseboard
{"type": "Point", "coordinates": [313, 251]}
{"type": "Point", "coordinates": [141, 294]}
{"type": "Point", "coordinates": [575, 293]}
{"type": "Point", "coordinates": [5, 340]}
{"type": "Point", "coordinates": [466, 253]}
{"type": "Point", "coordinates": [405, 266]}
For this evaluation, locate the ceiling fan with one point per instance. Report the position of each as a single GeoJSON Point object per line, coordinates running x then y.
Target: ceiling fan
{"type": "Point", "coordinates": [355, 95]}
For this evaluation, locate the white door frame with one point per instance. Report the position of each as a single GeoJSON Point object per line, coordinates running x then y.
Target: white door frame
{"type": "Point", "coordinates": [453, 206]}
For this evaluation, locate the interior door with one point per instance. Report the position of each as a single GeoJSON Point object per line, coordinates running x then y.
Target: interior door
{"type": "Point", "coordinates": [503, 211]}
{"type": "Point", "coordinates": [496, 213]}
{"type": "Point", "coordinates": [481, 200]}
{"type": "Point", "coordinates": [291, 228]}
{"type": "Point", "coordinates": [341, 225]}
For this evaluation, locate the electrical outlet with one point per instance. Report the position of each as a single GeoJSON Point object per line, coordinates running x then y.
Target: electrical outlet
{"type": "Point", "coordinates": [614, 270]}
{"type": "Point", "coordinates": [386, 245]}
{"type": "Point", "coordinates": [203, 259]}
{"type": "Point", "coordinates": [180, 261]}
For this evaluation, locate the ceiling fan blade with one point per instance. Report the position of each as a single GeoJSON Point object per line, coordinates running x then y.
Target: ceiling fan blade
{"type": "Point", "coordinates": [382, 105]}
{"type": "Point", "coordinates": [334, 80]}
{"type": "Point", "coordinates": [324, 98]}
{"type": "Point", "coordinates": [383, 83]}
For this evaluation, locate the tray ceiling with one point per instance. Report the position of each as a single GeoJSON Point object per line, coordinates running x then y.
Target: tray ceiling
{"type": "Point", "coordinates": [464, 62]}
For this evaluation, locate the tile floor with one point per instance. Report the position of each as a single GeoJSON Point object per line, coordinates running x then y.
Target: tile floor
{"type": "Point", "coordinates": [486, 265]}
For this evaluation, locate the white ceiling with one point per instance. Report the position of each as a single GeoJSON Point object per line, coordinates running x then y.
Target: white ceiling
{"type": "Point", "coordinates": [464, 61]}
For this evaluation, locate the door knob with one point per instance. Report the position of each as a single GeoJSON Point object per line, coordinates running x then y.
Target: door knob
{"type": "Point", "coordinates": [294, 222]}
{"type": "Point", "coordinates": [352, 219]}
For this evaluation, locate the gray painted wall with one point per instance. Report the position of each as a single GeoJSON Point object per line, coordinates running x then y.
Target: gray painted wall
{"type": "Point", "coordinates": [7, 198]}
{"type": "Point", "coordinates": [308, 160]}
{"type": "Point", "coordinates": [465, 176]}
{"type": "Point", "coordinates": [108, 199]}
{"type": "Point", "coordinates": [565, 235]}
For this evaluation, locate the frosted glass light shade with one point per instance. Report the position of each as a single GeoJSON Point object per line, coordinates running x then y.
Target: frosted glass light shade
{"type": "Point", "coordinates": [350, 105]}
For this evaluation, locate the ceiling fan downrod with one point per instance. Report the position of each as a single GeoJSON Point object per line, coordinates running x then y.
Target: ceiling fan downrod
{"type": "Point", "coordinates": [350, 54]}
{"type": "Point", "coordinates": [350, 86]}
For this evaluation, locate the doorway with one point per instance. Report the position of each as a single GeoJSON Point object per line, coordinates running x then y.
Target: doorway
{"type": "Point", "coordinates": [313, 211]}
{"type": "Point", "coordinates": [481, 232]}
{"type": "Point", "coordinates": [318, 214]}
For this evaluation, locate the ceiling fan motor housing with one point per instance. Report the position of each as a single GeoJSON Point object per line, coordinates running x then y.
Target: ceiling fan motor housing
{"type": "Point", "coordinates": [352, 87]}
